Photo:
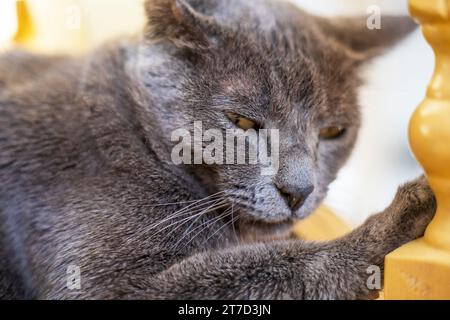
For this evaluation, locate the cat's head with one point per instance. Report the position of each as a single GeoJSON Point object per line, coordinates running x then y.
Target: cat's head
{"type": "Point", "coordinates": [263, 64]}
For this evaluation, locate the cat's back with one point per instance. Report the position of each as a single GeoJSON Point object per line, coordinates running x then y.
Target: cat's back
{"type": "Point", "coordinates": [20, 67]}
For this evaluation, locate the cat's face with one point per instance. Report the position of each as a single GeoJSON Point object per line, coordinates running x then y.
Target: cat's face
{"type": "Point", "coordinates": [267, 65]}
{"type": "Point", "coordinates": [251, 88]}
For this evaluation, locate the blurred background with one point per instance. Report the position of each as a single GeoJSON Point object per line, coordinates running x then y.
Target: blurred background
{"type": "Point", "coordinates": [395, 83]}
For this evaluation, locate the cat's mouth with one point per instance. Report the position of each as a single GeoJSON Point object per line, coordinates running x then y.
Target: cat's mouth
{"type": "Point", "coordinates": [261, 210]}
{"type": "Point", "coordinates": [270, 211]}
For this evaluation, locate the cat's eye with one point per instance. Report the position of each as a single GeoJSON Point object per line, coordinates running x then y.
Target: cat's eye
{"type": "Point", "coordinates": [242, 122]}
{"type": "Point", "coordinates": [330, 133]}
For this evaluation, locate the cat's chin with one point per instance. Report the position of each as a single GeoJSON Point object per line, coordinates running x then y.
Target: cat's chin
{"type": "Point", "coordinates": [253, 231]}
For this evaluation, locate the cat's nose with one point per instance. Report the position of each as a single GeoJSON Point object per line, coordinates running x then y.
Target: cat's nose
{"type": "Point", "coordinates": [295, 196]}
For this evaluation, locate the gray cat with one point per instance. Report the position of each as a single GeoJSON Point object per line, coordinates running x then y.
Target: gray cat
{"type": "Point", "coordinates": [88, 185]}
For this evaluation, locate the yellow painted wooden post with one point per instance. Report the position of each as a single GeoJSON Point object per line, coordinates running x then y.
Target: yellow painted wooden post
{"type": "Point", "coordinates": [421, 269]}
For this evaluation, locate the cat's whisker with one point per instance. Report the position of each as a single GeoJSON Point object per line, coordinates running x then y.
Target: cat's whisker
{"type": "Point", "coordinates": [202, 227]}
{"type": "Point", "coordinates": [182, 215]}
{"type": "Point", "coordinates": [190, 226]}
{"type": "Point", "coordinates": [234, 220]}
{"type": "Point", "coordinates": [199, 202]}
{"type": "Point", "coordinates": [193, 215]}
{"type": "Point", "coordinates": [199, 215]}
{"type": "Point", "coordinates": [185, 210]}
{"type": "Point", "coordinates": [184, 202]}
{"type": "Point", "coordinates": [221, 228]}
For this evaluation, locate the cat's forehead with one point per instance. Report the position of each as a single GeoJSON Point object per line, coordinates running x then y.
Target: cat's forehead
{"type": "Point", "coordinates": [291, 81]}
{"type": "Point", "coordinates": [282, 101]}
{"type": "Point", "coordinates": [258, 12]}
{"type": "Point", "coordinates": [237, 84]}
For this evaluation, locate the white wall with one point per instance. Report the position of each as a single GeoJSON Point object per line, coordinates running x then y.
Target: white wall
{"type": "Point", "coordinates": [349, 7]}
{"type": "Point", "coordinates": [8, 23]}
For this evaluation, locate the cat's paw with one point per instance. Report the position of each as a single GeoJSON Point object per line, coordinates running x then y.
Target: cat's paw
{"type": "Point", "coordinates": [414, 206]}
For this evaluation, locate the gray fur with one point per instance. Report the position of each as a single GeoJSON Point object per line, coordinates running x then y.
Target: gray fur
{"type": "Point", "coordinates": [87, 178]}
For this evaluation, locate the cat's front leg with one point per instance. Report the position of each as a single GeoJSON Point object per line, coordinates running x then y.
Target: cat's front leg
{"type": "Point", "coordinates": [404, 220]}
{"type": "Point", "coordinates": [295, 269]}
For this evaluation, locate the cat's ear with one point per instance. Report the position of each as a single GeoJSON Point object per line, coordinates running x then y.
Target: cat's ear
{"type": "Point", "coordinates": [177, 21]}
{"type": "Point", "coordinates": [363, 40]}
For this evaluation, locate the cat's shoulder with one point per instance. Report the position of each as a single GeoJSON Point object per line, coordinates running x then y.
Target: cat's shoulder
{"type": "Point", "coordinates": [19, 67]}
